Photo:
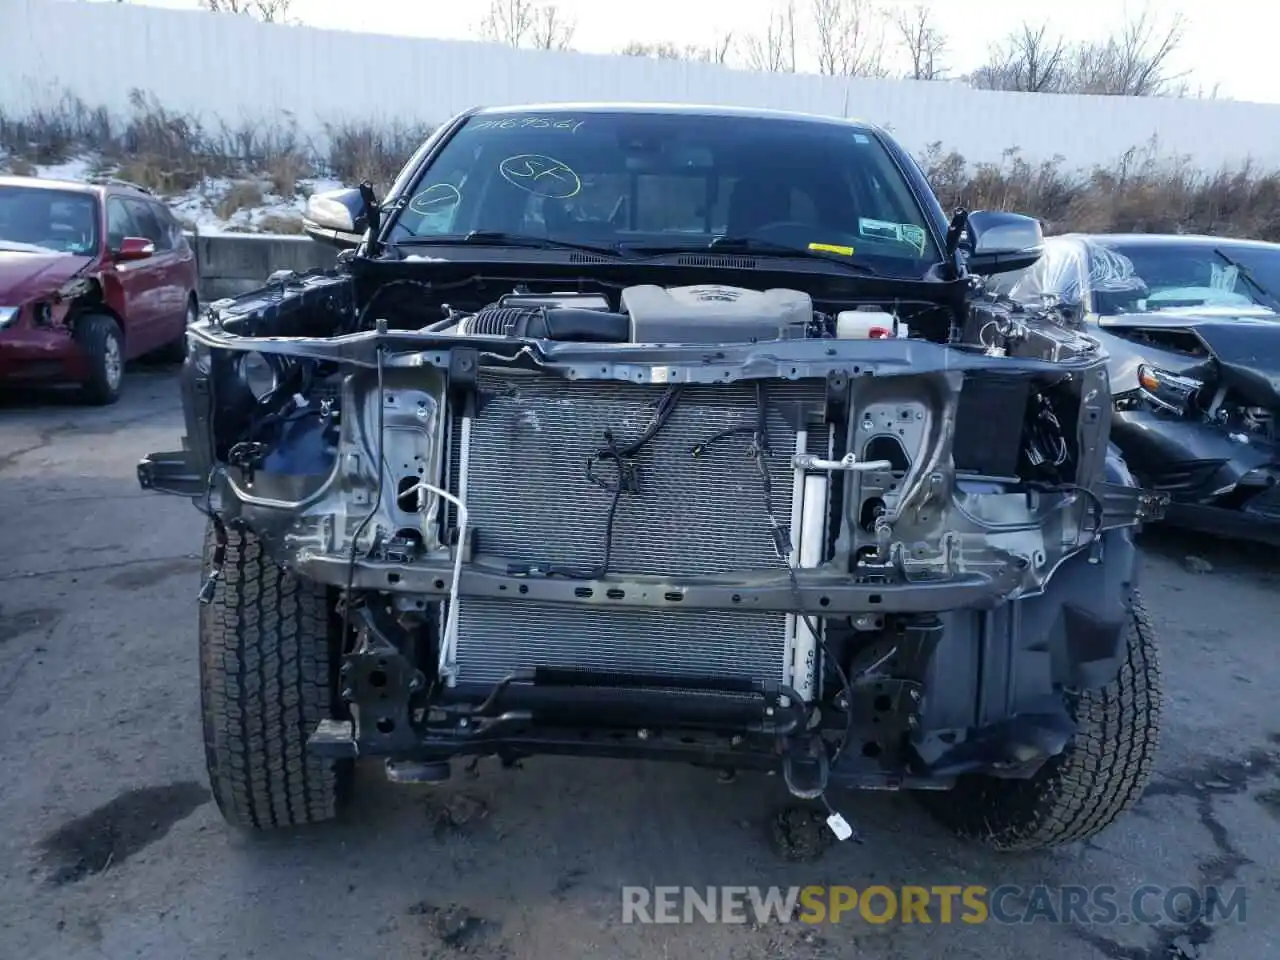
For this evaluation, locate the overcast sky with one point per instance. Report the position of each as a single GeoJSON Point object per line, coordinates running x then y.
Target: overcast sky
{"type": "Point", "coordinates": [1230, 43]}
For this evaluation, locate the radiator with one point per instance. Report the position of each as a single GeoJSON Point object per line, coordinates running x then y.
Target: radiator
{"type": "Point", "coordinates": [530, 501]}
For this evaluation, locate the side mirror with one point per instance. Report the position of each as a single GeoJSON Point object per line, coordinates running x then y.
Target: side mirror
{"type": "Point", "coordinates": [133, 248]}
{"type": "Point", "coordinates": [999, 242]}
{"type": "Point", "coordinates": [336, 218]}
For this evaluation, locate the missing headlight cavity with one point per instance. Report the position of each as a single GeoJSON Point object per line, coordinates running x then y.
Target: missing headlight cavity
{"type": "Point", "coordinates": [258, 374]}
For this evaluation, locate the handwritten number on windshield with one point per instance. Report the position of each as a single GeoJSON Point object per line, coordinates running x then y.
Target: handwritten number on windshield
{"type": "Point", "coordinates": [541, 175]}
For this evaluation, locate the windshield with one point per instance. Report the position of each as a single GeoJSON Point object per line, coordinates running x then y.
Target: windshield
{"type": "Point", "coordinates": [39, 220]}
{"type": "Point", "coordinates": [1144, 277]}
{"type": "Point", "coordinates": [664, 181]}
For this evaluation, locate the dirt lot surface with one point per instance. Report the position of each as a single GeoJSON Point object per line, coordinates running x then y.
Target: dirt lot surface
{"type": "Point", "coordinates": [110, 846]}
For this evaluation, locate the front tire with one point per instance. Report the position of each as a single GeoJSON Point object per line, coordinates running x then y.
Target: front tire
{"type": "Point", "coordinates": [100, 338]}
{"type": "Point", "coordinates": [268, 653]}
{"type": "Point", "coordinates": [1099, 777]}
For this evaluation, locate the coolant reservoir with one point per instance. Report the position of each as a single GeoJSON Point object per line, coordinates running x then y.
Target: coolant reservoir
{"type": "Point", "coordinates": [868, 325]}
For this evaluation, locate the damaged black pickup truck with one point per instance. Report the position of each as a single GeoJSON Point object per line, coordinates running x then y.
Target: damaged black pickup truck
{"type": "Point", "coordinates": [675, 433]}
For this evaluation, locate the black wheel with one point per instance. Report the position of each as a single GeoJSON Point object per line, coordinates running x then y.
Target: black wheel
{"type": "Point", "coordinates": [176, 352]}
{"type": "Point", "coordinates": [103, 344]}
{"type": "Point", "coordinates": [269, 646]}
{"type": "Point", "coordinates": [1099, 777]}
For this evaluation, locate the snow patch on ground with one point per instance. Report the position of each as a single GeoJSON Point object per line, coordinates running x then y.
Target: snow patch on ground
{"type": "Point", "coordinates": [216, 204]}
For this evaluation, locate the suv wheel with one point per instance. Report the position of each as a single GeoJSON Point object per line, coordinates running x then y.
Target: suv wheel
{"type": "Point", "coordinates": [1100, 775]}
{"type": "Point", "coordinates": [269, 646]}
{"type": "Point", "coordinates": [100, 338]}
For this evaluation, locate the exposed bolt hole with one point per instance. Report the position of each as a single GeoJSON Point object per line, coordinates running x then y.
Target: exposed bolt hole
{"type": "Point", "coordinates": [524, 588]}
{"type": "Point", "coordinates": [883, 703]}
{"type": "Point", "coordinates": [385, 724]}
{"type": "Point", "coordinates": [824, 601]}
{"type": "Point", "coordinates": [874, 598]}
{"type": "Point", "coordinates": [377, 678]}
{"type": "Point", "coordinates": [438, 584]}
{"type": "Point", "coordinates": [393, 578]}
{"type": "Point", "coordinates": [871, 749]}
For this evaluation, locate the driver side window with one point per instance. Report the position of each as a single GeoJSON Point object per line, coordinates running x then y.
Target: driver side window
{"type": "Point", "coordinates": [119, 223]}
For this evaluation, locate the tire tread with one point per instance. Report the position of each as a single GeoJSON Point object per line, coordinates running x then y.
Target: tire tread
{"type": "Point", "coordinates": [267, 647]}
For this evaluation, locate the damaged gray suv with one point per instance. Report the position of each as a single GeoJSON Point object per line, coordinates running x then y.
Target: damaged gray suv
{"type": "Point", "coordinates": [675, 433]}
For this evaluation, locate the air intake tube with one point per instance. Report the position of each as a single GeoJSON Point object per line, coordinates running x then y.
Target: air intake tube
{"type": "Point", "coordinates": [541, 323]}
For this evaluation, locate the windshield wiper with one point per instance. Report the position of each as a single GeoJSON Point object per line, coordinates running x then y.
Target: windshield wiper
{"type": "Point", "coordinates": [499, 238]}
{"type": "Point", "coordinates": [1249, 278]}
{"type": "Point", "coordinates": [772, 248]}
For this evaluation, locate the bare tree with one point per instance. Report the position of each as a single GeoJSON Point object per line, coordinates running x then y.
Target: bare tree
{"type": "Point", "coordinates": [508, 21]}
{"type": "Point", "coordinates": [1030, 59]}
{"type": "Point", "coordinates": [848, 41]}
{"type": "Point", "coordinates": [552, 29]}
{"type": "Point", "coordinates": [774, 51]}
{"type": "Point", "coordinates": [1132, 63]}
{"type": "Point", "coordinates": [923, 41]}
{"type": "Point", "coordinates": [666, 50]}
{"type": "Point", "coordinates": [519, 23]}
{"type": "Point", "coordinates": [268, 11]}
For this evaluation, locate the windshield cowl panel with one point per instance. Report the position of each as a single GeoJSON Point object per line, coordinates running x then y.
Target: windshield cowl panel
{"type": "Point", "coordinates": [637, 182]}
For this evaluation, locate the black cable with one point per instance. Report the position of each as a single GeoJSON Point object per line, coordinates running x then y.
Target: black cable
{"type": "Point", "coordinates": [368, 518]}
{"type": "Point", "coordinates": [627, 482]}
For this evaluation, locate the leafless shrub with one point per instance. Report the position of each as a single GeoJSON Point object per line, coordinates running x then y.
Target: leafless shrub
{"type": "Point", "coordinates": [278, 223]}
{"type": "Point", "coordinates": [1143, 191]}
{"type": "Point", "coordinates": [359, 152]}
{"type": "Point", "coordinates": [242, 195]}
{"type": "Point", "coordinates": [18, 167]}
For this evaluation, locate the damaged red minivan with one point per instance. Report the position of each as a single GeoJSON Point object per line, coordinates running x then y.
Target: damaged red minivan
{"type": "Point", "coordinates": [92, 274]}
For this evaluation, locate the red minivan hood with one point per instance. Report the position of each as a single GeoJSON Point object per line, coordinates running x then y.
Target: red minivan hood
{"type": "Point", "coordinates": [26, 276]}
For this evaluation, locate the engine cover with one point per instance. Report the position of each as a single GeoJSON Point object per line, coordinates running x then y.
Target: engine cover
{"type": "Point", "coordinates": [710, 313]}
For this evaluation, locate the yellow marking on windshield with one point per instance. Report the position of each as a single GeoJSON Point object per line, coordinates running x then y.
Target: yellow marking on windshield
{"type": "Point", "coordinates": [832, 248]}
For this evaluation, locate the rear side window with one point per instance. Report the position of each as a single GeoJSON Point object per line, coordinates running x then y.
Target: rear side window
{"type": "Point", "coordinates": [144, 216]}
{"type": "Point", "coordinates": [169, 223]}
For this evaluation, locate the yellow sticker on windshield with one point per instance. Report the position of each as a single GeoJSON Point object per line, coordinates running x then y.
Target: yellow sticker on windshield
{"type": "Point", "coordinates": [832, 248]}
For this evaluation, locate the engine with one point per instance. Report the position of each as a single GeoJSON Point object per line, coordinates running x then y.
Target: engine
{"type": "Point", "coordinates": [704, 313]}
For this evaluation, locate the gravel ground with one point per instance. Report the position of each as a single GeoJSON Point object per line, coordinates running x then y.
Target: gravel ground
{"type": "Point", "coordinates": [110, 846]}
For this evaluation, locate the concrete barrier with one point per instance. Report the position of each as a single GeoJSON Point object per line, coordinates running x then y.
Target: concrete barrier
{"type": "Point", "coordinates": [232, 263]}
